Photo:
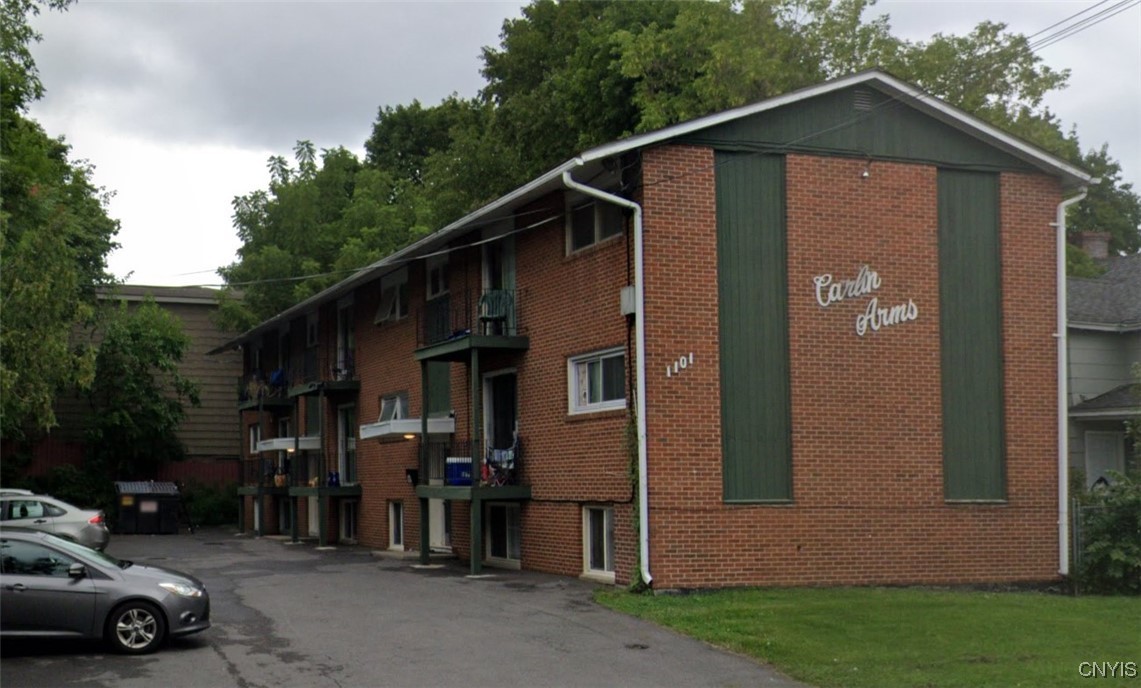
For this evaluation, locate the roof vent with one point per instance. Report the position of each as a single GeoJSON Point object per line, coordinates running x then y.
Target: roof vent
{"type": "Point", "coordinates": [862, 99]}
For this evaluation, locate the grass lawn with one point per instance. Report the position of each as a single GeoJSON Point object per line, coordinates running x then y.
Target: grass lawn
{"type": "Point", "coordinates": [882, 637]}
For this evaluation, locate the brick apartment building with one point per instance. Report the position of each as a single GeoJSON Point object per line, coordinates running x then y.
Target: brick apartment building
{"type": "Point", "coordinates": [806, 341]}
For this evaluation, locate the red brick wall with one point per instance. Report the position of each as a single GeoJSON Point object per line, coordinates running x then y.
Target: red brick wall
{"type": "Point", "coordinates": [867, 467]}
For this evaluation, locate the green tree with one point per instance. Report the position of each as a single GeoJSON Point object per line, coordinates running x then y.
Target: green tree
{"type": "Point", "coordinates": [316, 224]}
{"type": "Point", "coordinates": [1111, 205]}
{"type": "Point", "coordinates": [138, 394]}
{"type": "Point", "coordinates": [54, 238]}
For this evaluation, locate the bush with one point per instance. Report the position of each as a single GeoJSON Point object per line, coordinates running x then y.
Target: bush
{"type": "Point", "coordinates": [1111, 552]}
{"type": "Point", "coordinates": [211, 506]}
{"type": "Point", "coordinates": [83, 487]}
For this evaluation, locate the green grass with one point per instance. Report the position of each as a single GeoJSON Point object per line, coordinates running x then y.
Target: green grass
{"type": "Point", "coordinates": [879, 638]}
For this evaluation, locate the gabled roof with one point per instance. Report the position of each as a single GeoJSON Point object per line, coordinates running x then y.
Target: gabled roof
{"type": "Point", "coordinates": [590, 162]}
{"type": "Point", "coordinates": [138, 292]}
{"type": "Point", "coordinates": [1111, 302]}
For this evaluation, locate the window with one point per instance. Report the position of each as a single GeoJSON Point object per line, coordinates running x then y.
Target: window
{"type": "Point", "coordinates": [32, 559]}
{"type": "Point", "coordinates": [437, 269]}
{"type": "Point", "coordinates": [17, 509]}
{"type": "Point", "coordinates": [396, 525]}
{"type": "Point", "coordinates": [255, 437]}
{"type": "Point", "coordinates": [393, 407]}
{"type": "Point", "coordinates": [503, 530]}
{"type": "Point", "coordinates": [598, 381]}
{"type": "Point", "coordinates": [589, 222]}
{"type": "Point", "coordinates": [393, 297]}
{"type": "Point", "coordinates": [598, 542]}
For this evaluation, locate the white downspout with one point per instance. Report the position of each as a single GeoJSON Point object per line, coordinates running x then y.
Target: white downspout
{"type": "Point", "coordinates": [1063, 392]}
{"type": "Point", "coordinates": [640, 355]}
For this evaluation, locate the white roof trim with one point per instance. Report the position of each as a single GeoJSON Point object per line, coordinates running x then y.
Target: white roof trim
{"type": "Point", "coordinates": [934, 106]}
{"type": "Point", "coordinates": [919, 97]}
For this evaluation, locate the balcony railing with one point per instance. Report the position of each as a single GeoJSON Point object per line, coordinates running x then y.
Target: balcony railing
{"type": "Point", "coordinates": [492, 312]}
{"type": "Point", "coordinates": [466, 463]}
{"type": "Point", "coordinates": [328, 366]}
{"type": "Point", "coordinates": [273, 471]}
{"type": "Point", "coordinates": [257, 385]}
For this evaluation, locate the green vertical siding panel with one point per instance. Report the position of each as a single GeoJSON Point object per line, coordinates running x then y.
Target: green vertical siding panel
{"type": "Point", "coordinates": [970, 298]}
{"type": "Point", "coordinates": [439, 388]}
{"type": "Point", "coordinates": [753, 309]}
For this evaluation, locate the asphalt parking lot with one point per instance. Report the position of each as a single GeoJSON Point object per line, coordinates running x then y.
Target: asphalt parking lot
{"type": "Point", "coordinates": [290, 615]}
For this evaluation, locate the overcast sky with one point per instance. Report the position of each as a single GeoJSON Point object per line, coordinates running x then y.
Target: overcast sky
{"type": "Point", "coordinates": [178, 105]}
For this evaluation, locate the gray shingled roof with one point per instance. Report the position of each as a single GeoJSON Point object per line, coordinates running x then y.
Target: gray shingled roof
{"type": "Point", "coordinates": [1112, 300]}
{"type": "Point", "coordinates": [1127, 396]}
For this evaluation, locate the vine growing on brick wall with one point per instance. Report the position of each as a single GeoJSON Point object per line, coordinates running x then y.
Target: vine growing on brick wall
{"type": "Point", "coordinates": [636, 582]}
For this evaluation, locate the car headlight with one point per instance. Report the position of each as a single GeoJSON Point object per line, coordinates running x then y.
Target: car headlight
{"type": "Point", "coordinates": [181, 589]}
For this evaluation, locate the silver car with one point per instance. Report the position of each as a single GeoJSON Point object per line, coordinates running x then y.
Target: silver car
{"type": "Point", "coordinates": [86, 526]}
{"type": "Point", "coordinates": [51, 587]}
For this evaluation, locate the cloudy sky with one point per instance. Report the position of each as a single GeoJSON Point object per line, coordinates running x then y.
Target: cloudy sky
{"type": "Point", "coordinates": [179, 104]}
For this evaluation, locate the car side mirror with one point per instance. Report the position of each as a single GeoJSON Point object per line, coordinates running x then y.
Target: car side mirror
{"type": "Point", "coordinates": [76, 571]}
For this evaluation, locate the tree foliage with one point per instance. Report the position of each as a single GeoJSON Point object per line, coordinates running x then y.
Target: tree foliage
{"type": "Point", "coordinates": [318, 222]}
{"type": "Point", "coordinates": [54, 237]}
{"type": "Point", "coordinates": [567, 76]}
{"type": "Point", "coordinates": [138, 394]}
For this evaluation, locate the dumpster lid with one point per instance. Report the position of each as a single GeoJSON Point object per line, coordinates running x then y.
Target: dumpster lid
{"type": "Point", "coordinates": [146, 487]}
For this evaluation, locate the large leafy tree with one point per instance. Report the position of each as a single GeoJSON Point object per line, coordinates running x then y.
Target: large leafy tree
{"type": "Point", "coordinates": [138, 393]}
{"type": "Point", "coordinates": [55, 235]}
{"type": "Point", "coordinates": [321, 219]}
{"type": "Point", "coordinates": [567, 76]}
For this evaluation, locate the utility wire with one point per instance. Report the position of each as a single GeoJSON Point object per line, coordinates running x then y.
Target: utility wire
{"type": "Point", "coordinates": [892, 102]}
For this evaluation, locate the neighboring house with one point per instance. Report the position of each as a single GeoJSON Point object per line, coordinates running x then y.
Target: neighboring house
{"type": "Point", "coordinates": [209, 432]}
{"type": "Point", "coordinates": [1104, 343]}
{"type": "Point", "coordinates": [818, 330]}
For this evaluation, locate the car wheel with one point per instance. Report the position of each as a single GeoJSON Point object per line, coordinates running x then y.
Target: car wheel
{"type": "Point", "coordinates": [136, 628]}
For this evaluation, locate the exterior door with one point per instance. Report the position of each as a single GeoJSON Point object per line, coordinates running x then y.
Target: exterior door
{"type": "Point", "coordinates": [499, 273]}
{"type": "Point", "coordinates": [499, 403]}
{"type": "Point", "coordinates": [347, 443]}
{"type": "Point", "coordinates": [1105, 452]}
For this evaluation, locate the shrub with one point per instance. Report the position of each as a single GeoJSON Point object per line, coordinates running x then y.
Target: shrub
{"type": "Point", "coordinates": [81, 486]}
{"type": "Point", "coordinates": [211, 506]}
{"type": "Point", "coordinates": [1111, 552]}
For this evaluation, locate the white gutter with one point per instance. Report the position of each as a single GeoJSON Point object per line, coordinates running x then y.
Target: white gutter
{"type": "Point", "coordinates": [1063, 391]}
{"type": "Point", "coordinates": [640, 355]}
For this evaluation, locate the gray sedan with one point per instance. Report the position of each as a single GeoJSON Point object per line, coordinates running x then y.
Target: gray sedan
{"type": "Point", "coordinates": [38, 512]}
{"type": "Point", "coordinates": [51, 587]}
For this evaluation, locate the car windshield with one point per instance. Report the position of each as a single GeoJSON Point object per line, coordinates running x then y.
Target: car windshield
{"type": "Point", "coordinates": [82, 551]}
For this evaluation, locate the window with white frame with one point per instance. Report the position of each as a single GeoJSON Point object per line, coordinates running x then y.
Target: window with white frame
{"type": "Point", "coordinates": [255, 437]}
{"type": "Point", "coordinates": [597, 381]}
{"type": "Point", "coordinates": [393, 297]}
{"type": "Point", "coordinates": [598, 542]}
{"type": "Point", "coordinates": [393, 407]}
{"type": "Point", "coordinates": [590, 221]}
{"type": "Point", "coordinates": [437, 271]}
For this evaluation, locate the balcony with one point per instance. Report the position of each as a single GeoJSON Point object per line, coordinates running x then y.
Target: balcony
{"type": "Point", "coordinates": [315, 371]}
{"type": "Point", "coordinates": [257, 390]}
{"type": "Point", "coordinates": [451, 472]}
{"type": "Point", "coordinates": [450, 327]}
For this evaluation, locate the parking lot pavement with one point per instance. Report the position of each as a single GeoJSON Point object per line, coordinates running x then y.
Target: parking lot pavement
{"type": "Point", "coordinates": [290, 615]}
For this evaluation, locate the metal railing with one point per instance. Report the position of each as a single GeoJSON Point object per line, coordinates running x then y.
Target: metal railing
{"type": "Point", "coordinates": [312, 366]}
{"type": "Point", "coordinates": [460, 314]}
{"type": "Point", "coordinates": [467, 462]}
{"type": "Point", "coordinates": [257, 385]}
